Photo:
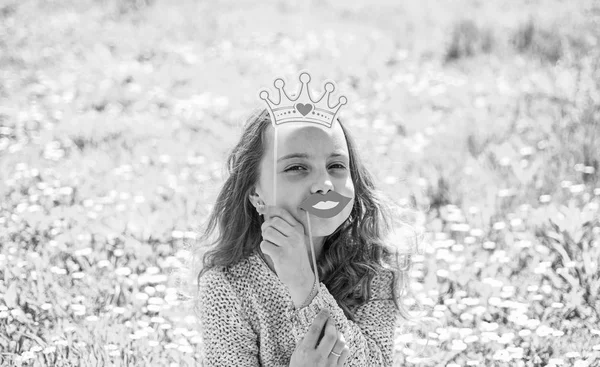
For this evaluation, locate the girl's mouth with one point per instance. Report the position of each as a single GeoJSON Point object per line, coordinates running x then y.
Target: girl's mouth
{"type": "Point", "coordinates": [325, 206]}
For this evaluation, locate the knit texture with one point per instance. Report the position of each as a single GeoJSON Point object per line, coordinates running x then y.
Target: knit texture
{"type": "Point", "coordinates": [247, 318]}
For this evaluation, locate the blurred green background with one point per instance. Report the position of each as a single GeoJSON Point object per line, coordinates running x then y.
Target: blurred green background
{"type": "Point", "coordinates": [116, 117]}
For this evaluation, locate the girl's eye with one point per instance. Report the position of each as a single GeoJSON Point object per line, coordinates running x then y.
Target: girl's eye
{"type": "Point", "coordinates": [292, 168]}
{"type": "Point", "coordinates": [340, 166]}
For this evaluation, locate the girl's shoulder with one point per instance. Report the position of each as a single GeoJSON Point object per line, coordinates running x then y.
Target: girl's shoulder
{"type": "Point", "coordinates": [382, 283]}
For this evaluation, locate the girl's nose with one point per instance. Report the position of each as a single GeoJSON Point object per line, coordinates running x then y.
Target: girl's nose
{"type": "Point", "coordinates": [323, 184]}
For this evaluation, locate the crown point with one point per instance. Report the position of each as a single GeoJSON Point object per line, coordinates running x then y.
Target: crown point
{"type": "Point", "coordinates": [263, 95]}
{"type": "Point", "coordinates": [279, 83]}
{"type": "Point", "coordinates": [343, 100]}
{"type": "Point", "coordinates": [329, 87]}
{"type": "Point", "coordinates": [304, 78]}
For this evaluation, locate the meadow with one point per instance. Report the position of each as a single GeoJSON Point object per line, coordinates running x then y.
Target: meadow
{"type": "Point", "coordinates": [116, 117]}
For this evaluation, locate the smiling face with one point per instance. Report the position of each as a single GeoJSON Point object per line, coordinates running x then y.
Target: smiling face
{"type": "Point", "coordinates": [311, 159]}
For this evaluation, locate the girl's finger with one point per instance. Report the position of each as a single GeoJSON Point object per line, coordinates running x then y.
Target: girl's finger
{"type": "Point", "coordinates": [343, 357]}
{"type": "Point", "coordinates": [280, 225]}
{"type": "Point", "coordinates": [315, 328]}
{"type": "Point", "coordinates": [275, 211]}
{"type": "Point", "coordinates": [272, 235]}
{"type": "Point", "coordinates": [269, 247]}
{"type": "Point", "coordinates": [269, 223]}
{"type": "Point", "coordinates": [340, 344]}
{"type": "Point", "coordinates": [329, 338]}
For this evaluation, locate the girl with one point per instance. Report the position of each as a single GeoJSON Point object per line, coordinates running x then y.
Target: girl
{"type": "Point", "coordinates": [257, 302]}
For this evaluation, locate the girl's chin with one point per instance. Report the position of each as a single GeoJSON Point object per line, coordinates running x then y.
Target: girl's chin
{"type": "Point", "coordinates": [322, 227]}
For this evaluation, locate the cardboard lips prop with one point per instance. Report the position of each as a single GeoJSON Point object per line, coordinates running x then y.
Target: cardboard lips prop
{"type": "Point", "coordinates": [325, 206]}
{"type": "Point", "coordinates": [304, 109]}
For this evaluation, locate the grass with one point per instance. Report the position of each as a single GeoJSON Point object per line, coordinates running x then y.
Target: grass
{"type": "Point", "coordinates": [116, 117]}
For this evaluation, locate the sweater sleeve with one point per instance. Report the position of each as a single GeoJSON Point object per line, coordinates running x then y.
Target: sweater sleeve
{"type": "Point", "coordinates": [227, 337]}
{"type": "Point", "coordinates": [370, 338]}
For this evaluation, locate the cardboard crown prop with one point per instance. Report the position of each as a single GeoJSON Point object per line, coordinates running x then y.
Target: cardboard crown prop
{"type": "Point", "coordinates": [303, 108]}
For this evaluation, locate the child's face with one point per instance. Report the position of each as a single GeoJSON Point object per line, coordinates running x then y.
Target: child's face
{"type": "Point", "coordinates": [298, 178]}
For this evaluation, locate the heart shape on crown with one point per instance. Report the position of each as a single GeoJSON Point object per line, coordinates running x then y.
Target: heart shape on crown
{"type": "Point", "coordinates": [304, 109]}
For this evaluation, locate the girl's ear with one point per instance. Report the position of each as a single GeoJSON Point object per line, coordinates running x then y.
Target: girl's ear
{"type": "Point", "coordinates": [255, 199]}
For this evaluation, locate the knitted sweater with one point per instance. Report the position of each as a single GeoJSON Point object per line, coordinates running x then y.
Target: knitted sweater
{"type": "Point", "coordinates": [247, 318]}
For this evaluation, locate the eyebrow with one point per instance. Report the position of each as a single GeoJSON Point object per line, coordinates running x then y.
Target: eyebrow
{"type": "Point", "coordinates": [306, 156]}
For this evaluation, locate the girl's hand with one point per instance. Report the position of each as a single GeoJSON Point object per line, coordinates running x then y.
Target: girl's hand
{"type": "Point", "coordinates": [308, 353]}
{"type": "Point", "coordinates": [284, 241]}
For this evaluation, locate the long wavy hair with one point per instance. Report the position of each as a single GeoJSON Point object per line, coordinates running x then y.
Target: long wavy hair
{"type": "Point", "coordinates": [351, 256]}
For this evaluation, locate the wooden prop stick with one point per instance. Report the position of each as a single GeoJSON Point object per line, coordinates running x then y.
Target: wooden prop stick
{"type": "Point", "coordinates": [312, 248]}
{"type": "Point", "coordinates": [275, 166]}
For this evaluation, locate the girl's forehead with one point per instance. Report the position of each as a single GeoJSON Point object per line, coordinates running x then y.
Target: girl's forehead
{"type": "Point", "coordinates": [309, 137]}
